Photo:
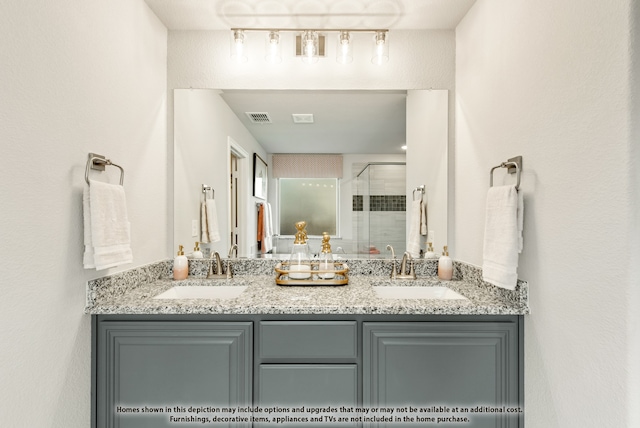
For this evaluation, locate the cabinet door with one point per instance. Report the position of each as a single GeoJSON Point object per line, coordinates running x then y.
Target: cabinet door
{"type": "Point", "coordinates": [166, 364]}
{"type": "Point", "coordinates": [454, 364]}
{"type": "Point", "coordinates": [309, 385]}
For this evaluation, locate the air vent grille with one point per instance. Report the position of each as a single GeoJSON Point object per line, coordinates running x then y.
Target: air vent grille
{"type": "Point", "coordinates": [259, 117]}
{"type": "Point", "coordinates": [302, 118]}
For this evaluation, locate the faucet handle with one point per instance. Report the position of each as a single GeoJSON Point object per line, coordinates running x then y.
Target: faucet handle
{"type": "Point", "coordinates": [394, 273]}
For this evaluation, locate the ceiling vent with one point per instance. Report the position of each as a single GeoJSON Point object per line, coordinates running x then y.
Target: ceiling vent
{"type": "Point", "coordinates": [302, 118]}
{"type": "Point", "coordinates": [259, 117]}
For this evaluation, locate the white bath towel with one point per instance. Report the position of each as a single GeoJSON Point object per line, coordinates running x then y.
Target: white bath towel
{"type": "Point", "coordinates": [502, 236]}
{"type": "Point", "coordinates": [209, 230]}
{"type": "Point", "coordinates": [107, 231]}
{"type": "Point", "coordinates": [413, 242]}
{"type": "Point", "coordinates": [267, 229]}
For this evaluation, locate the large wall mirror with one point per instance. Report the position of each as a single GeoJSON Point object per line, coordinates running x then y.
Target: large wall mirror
{"type": "Point", "coordinates": [218, 132]}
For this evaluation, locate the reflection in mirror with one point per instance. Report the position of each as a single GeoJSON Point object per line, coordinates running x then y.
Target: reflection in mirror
{"type": "Point", "coordinates": [210, 125]}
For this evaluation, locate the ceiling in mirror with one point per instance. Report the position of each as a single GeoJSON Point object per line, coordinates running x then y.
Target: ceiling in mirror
{"type": "Point", "coordinates": [352, 121]}
{"type": "Point", "coordinates": [346, 14]}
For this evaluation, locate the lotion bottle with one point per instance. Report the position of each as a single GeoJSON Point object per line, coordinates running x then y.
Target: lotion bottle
{"type": "Point", "coordinates": [445, 265]}
{"type": "Point", "coordinates": [197, 254]}
{"type": "Point", "coordinates": [180, 265]}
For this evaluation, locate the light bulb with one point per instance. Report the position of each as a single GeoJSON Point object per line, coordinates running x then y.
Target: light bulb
{"type": "Point", "coordinates": [344, 55]}
{"type": "Point", "coordinates": [380, 48]}
{"type": "Point", "coordinates": [273, 55]}
{"type": "Point", "coordinates": [238, 53]}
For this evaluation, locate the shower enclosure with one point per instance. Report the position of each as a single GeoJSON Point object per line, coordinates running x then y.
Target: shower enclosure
{"type": "Point", "coordinates": [379, 208]}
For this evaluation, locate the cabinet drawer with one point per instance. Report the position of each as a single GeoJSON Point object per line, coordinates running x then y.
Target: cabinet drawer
{"type": "Point", "coordinates": [308, 339]}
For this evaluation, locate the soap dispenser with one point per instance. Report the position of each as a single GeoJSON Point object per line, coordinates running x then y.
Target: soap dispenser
{"type": "Point", "coordinates": [430, 254]}
{"type": "Point", "coordinates": [445, 265]}
{"type": "Point", "coordinates": [300, 260]}
{"type": "Point", "coordinates": [197, 254]}
{"type": "Point", "coordinates": [326, 258]}
{"type": "Point", "coordinates": [180, 265]}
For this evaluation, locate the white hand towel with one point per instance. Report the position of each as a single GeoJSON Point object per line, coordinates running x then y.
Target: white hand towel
{"type": "Point", "coordinates": [413, 243]}
{"type": "Point", "coordinates": [267, 230]}
{"type": "Point", "coordinates": [212, 220]}
{"type": "Point", "coordinates": [502, 236]}
{"type": "Point", "coordinates": [107, 234]}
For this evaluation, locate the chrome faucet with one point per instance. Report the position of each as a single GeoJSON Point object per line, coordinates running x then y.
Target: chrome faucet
{"type": "Point", "coordinates": [218, 263]}
{"type": "Point", "coordinates": [394, 273]}
{"type": "Point", "coordinates": [403, 267]}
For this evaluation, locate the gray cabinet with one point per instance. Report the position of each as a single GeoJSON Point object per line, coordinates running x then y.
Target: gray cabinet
{"type": "Point", "coordinates": [308, 363]}
{"type": "Point", "coordinates": [453, 364]}
{"type": "Point", "coordinates": [165, 364]}
{"type": "Point", "coordinates": [369, 361]}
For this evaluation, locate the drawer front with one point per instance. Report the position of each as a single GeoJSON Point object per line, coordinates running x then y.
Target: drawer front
{"type": "Point", "coordinates": [308, 339]}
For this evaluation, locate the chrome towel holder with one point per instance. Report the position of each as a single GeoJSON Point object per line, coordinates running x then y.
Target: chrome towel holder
{"type": "Point", "coordinates": [418, 189]}
{"type": "Point", "coordinates": [513, 165]}
{"type": "Point", "coordinates": [206, 189]}
{"type": "Point", "coordinates": [98, 163]}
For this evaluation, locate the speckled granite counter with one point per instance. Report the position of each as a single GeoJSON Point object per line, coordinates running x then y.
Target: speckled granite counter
{"type": "Point", "coordinates": [132, 292]}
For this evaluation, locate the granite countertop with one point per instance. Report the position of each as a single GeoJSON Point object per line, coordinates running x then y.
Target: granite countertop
{"type": "Point", "coordinates": [133, 292]}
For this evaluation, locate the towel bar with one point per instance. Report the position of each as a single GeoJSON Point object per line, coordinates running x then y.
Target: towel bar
{"type": "Point", "coordinates": [98, 163]}
{"type": "Point", "coordinates": [511, 164]}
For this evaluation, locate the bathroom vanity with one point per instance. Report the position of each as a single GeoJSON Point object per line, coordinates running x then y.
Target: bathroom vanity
{"type": "Point", "coordinates": [287, 347]}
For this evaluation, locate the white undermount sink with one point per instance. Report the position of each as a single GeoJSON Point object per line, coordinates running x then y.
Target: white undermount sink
{"type": "Point", "coordinates": [413, 292]}
{"type": "Point", "coordinates": [202, 292]}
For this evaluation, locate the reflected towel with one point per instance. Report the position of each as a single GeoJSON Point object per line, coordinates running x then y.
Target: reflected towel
{"type": "Point", "coordinates": [210, 228]}
{"type": "Point", "coordinates": [107, 231]}
{"type": "Point", "coordinates": [413, 242]}
{"type": "Point", "coordinates": [502, 236]}
{"type": "Point", "coordinates": [267, 229]}
{"type": "Point", "coordinates": [423, 219]}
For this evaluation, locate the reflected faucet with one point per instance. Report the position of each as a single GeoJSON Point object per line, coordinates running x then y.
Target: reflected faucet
{"type": "Point", "coordinates": [394, 273]}
{"type": "Point", "coordinates": [233, 248]}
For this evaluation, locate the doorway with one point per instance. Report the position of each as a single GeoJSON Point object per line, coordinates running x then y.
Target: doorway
{"type": "Point", "coordinates": [238, 200]}
{"type": "Point", "coordinates": [233, 191]}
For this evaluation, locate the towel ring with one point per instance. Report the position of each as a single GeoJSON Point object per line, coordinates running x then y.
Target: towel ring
{"type": "Point", "coordinates": [98, 163]}
{"type": "Point", "coordinates": [206, 189]}
{"type": "Point", "coordinates": [506, 165]}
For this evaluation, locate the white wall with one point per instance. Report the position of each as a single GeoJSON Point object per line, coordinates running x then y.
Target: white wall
{"type": "Point", "coordinates": [427, 154]}
{"type": "Point", "coordinates": [203, 122]}
{"type": "Point", "coordinates": [550, 81]}
{"type": "Point", "coordinates": [77, 76]}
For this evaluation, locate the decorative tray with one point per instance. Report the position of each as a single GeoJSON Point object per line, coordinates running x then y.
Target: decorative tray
{"type": "Point", "coordinates": [340, 276]}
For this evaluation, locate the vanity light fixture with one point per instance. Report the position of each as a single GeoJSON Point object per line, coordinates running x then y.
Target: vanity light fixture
{"type": "Point", "coordinates": [344, 52]}
{"type": "Point", "coordinates": [238, 48]}
{"type": "Point", "coordinates": [380, 48]}
{"type": "Point", "coordinates": [310, 44]}
{"type": "Point", "coordinates": [404, 147]}
{"type": "Point", "coordinates": [274, 55]}
{"type": "Point", "coordinates": [310, 47]}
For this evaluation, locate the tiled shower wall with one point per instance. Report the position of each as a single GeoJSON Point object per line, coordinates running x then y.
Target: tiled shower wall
{"type": "Point", "coordinates": [379, 208]}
